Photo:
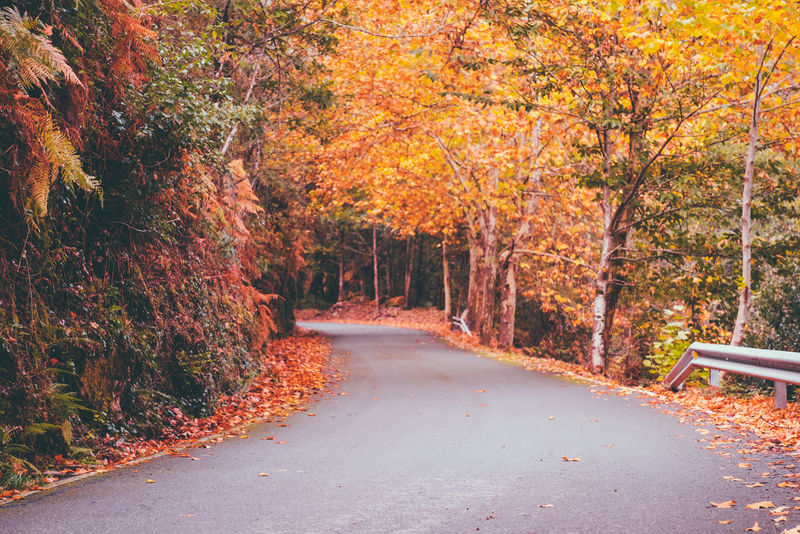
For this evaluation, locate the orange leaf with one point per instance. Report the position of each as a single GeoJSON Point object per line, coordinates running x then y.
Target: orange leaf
{"type": "Point", "coordinates": [149, 481]}
{"type": "Point", "coordinates": [724, 521]}
{"type": "Point", "coordinates": [268, 437]}
{"type": "Point", "coordinates": [576, 459]}
{"type": "Point", "coordinates": [480, 391]}
{"type": "Point", "coordinates": [743, 464]}
{"type": "Point", "coordinates": [759, 505]}
{"type": "Point", "coordinates": [754, 528]}
{"type": "Point", "coordinates": [726, 504]}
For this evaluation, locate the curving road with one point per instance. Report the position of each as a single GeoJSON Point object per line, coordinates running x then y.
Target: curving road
{"type": "Point", "coordinates": [421, 437]}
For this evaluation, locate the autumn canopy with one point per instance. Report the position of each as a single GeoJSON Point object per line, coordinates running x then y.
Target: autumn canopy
{"type": "Point", "coordinates": [601, 182]}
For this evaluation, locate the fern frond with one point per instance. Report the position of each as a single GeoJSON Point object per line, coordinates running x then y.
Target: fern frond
{"type": "Point", "coordinates": [32, 59]}
{"type": "Point", "coordinates": [39, 181]}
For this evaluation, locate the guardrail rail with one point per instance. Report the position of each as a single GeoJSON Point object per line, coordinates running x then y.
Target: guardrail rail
{"type": "Point", "coordinates": [780, 366]}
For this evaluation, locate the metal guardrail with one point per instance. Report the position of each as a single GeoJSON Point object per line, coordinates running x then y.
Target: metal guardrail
{"type": "Point", "coordinates": [780, 366]}
{"type": "Point", "coordinates": [461, 324]}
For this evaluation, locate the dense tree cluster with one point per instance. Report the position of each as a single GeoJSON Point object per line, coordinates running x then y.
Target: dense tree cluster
{"type": "Point", "coordinates": [603, 182]}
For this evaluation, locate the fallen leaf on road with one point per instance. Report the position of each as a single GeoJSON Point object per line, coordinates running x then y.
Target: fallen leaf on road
{"type": "Point", "coordinates": [786, 484]}
{"type": "Point", "coordinates": [576, 459]}
{"type": "Point", "coordinates": [781, 518]}
{"type": "Point", "coordinates": [283, 425]}
{"type": "Point", "coordinates": [754, 528]}
{"type": "Point", "coordinates": [754, 485]}
{"type": "Point", "coordinates": [244, 436]}
{"type": "Point", "coordinates": [311, 414]}
{"type": "Point", "coordinates": [610, 445]}
{"type": "Point", "coordinates": [733, 479]}
{"type": "Point", "coordinates": [280, 442]}
{"type": "Point", "coordinates": [743, 464]}
{"type": "Point", "coordinates": [268, 437]}
{"type": "Point", "coordinates": [189, 515]}
{"type": "Point", "coordinates": [551, 418]}
{"type": "Point", "coordinates": [545, 506]}
{"type": "Point", "coordinates": [795, 530]}
{"type": "Point", "coordinates": [149, 481]}
{"type": "Point", "coordinates": [724, 521]}
{"type": "Point", "coordinates": [760, 505]}
{"type": "Point", "coordinates": [780, 510]}
{"type": "Point", "coordinates": [480, 391]}
{"type": "Point", "coordinates": [263, 474]}
{"type": "Point", "coordinates": [726, 504]}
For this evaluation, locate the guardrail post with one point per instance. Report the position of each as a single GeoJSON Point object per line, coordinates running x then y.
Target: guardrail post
{"type": "Point", "coordinates": [714, 376]}
{"type": "Point", "coordinates": [780, 395]}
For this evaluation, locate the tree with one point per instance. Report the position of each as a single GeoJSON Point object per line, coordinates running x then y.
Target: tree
{"type": "Point", "coordinates": [630, 90]}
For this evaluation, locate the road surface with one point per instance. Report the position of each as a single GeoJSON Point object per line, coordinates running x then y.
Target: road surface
{"type": "Point", "coordinates": [421, 437]}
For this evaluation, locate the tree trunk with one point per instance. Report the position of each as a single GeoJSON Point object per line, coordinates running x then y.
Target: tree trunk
{"type": "Point", "coordinates": [375, 268]}
{"type": "Point", "coordinates": [597, 350]}
{"type": "Point", "coordinates": [472, 282]}
{"type": "Point", "coordinates": [489, 278]}
{"type": "Point", "coordinates": [410, 253]}
{"type": "Point", "coordinates": [510, 259]}
{"type": "Point", "coordinates": [340, 298]}
{"type": "Point", "coordinates": [448, 303]}
{"type": "Point", "coordinates": [745, 293]}
{"type": "Point", "coordinates": [508, 304]}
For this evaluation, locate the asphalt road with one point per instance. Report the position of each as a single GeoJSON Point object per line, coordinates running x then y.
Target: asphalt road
{"type": "Point", "coordinates": [421, 437]}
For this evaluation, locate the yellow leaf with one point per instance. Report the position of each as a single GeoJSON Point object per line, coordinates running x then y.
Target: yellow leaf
{"type": "Point", "coordinates": [149, 481]}
{"type": "Point", "coordinates": [754, 528]}
{"type": "Point", "coordinates": [726, 504]}
{"type": "Point", "coordinates": [263, 474]}
{"type": "Point", "coordinates": [759, 505]}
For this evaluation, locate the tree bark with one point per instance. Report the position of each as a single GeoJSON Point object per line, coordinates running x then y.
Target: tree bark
{"type": "Point", "coordinates": [448, 302]}
{"type": "Point", "coordinates": [745, 293]}
{"type": "Point", "coordinates": [375, 268]}
{"type": "Point", "coordinates": [597, 351]}
{"type": "Point", "coordinates": [488, 279]}
{"type": "Point", "coordinates": [340, 298]}
{"type": "Point", "coordinates": [410, 253]}
{"type": "Point", "coordinates": [510, 259]}
{"type": "Point", "coordinates": [508, 304]}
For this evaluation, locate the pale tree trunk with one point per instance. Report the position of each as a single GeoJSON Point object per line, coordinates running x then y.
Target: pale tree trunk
{"type": "Point", "coordinates": [603, 277]}
{"type": "Point", "coordinates": [510, 259]}
{"type": "Point", "coordinates": [508, 304]}
{"type": "Point", "coordinates": [597, 351]}
{"type": "Point", "coordinates": [375, 268]}
{"type": "Point", "coordinates": [745, 293]}
{"type": "Point", "coordinates": [448, 302]}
